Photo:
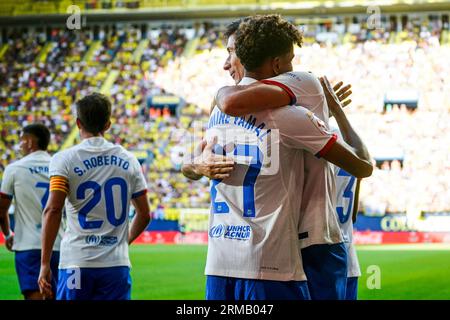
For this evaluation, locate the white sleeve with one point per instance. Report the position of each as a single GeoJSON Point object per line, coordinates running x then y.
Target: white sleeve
{"type": "Point", "coordinates": [297, 85]}
{"type": "Point", "coordinates": [299, 128]}
{"type": "Point", "coordinates": [7, 188]}
{"type": "Point", "coordinates": [58, 166]}
{"type": "Point", "coordinates": [138, 182]}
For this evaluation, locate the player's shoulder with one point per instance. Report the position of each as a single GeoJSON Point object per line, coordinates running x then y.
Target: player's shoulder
{"type": "Point", "coordinates": [11, 168]}
{"type": "Point", "coordinates": [305, 75]}
{"type": "Point", "coordinates": [308, 79]}
{"type": "Point", "coordinates": [295, 76]}
{"type": "Point", "coordinates": [64, 155]}
{"type": "Point", "coordinates": [300, 82]}
{"type": "Point", "coordinates": [124, 152]}
{"type": "Point", "coordinates": [16, 166]}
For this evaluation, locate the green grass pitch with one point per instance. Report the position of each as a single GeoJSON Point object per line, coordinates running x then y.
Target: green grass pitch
{"type": "Point", "coordinates": [176, 272]}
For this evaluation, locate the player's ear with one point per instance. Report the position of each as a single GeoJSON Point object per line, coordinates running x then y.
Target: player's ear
{"type": "Point", "coordinates": [79, 124]}
{"type": "Point", "coordinates": [30, 142]}
{"type": "Point", "coordinates": [276, 66]}
{"type": "Point", "coordinates": [107, 126]}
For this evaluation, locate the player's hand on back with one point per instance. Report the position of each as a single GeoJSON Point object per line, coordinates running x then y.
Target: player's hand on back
{"type": "Point", "coordinates": [212, 165]}
{"type": "Point", "coordinates": [337, 96]}
{"type": "Point", "coordinates": [44, 282]}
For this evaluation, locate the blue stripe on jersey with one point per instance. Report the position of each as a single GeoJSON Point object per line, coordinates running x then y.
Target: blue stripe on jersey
{"type": "Point", "coordinates": [138, 194]}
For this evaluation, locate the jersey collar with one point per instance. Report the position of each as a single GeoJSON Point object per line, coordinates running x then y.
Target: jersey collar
{"type": "Point", "coordinates": [95, 142]}
{"type": "Point", "coordinates": [246, 80]}
{"type": "Point", "coordinates": [37, 153]}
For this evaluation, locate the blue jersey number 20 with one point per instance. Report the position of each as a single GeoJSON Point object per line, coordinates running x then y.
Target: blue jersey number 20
{"type": "Point", "coordinates": [109, 201]}
{"type": "Point", "coordinates": [348, 193]}
{"type": "Point", "coordinates": [249, 180]}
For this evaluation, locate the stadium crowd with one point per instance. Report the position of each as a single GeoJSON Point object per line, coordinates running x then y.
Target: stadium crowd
{"type": "Point", "coordinates": [375, 63]}
{"type": "Point", "coordinates": [44, 87]}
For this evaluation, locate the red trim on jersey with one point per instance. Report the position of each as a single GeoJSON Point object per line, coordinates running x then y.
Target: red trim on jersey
{"type": "Point", "coordinates": [327, 147]}
{"type": "Point", "coordinates": [284, 87]}
{"type": "Point", "coordinates": [5, 196]}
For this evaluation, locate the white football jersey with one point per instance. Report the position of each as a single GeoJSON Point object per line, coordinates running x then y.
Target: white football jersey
{"type": "Point", "coordinates": [27, 181]}
{"type": "Point", "coordinates": [254, 213]}
{"type": "Point", "coordinates": [318, 222]}
{"type": "Point", "coordinates": [345, 195]}
{"type": "Point", "coordinates": [102, 179]}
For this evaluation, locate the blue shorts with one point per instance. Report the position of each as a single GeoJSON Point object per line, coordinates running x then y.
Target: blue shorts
{"type": "Point", "coordinates": [28, 266]}
{"type": "Point", "coordinates": [325, 266]}
{"type": "Point", "coordinates": [112, 283]}
{"type": "Point", "coordinates": [352, 289]}
{"type": "Point", "coordinates": [226, 288]}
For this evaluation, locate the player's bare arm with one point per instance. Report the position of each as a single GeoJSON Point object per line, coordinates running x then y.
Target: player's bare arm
{"type": "Point", "coordinates": [350, 154]}
{"type": "Point", "coordinates": [206, 163]}
{"type": "Point", "coordinates": [191, 170]}
{"type": "Point", "coordinates": [141, 219]}
{"type": "Point", "coordinates": [242, 100]}
{"type": "Point", "coordinates": [50, 225]}
{"type": "Point", "coordinates": [4, 222]}
{"type": "Point", "coordinates": [356, 201]}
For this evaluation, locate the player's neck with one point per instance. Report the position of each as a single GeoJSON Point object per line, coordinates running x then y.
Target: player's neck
{"type": "Point", "coordinates": [259, 74]}
{"type": "Point", "coordinates": [87, 135]}
{"type": "Point", "coordinates": [32, 151]}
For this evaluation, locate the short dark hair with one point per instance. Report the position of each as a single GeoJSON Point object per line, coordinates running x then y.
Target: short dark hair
{"type": "Point", "coordinates": [264, 36]}
{"type": "Point", "coordinates": [41, 133]}
{"type": "Point", "coordinates": [94, 112]}
{"type": "Point", "coordinates": [233, 27]}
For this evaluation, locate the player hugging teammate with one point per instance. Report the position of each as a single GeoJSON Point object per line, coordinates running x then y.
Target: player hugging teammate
{"type": "Point", "coordinates": [296, 248]}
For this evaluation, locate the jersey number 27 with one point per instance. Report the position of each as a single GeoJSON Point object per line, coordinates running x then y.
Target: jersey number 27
{"type": "Point", "coordinates": [249, 180]}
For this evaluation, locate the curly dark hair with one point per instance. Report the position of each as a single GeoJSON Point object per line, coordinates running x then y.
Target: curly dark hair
{"type": "Point", "coordinates": [233, 27]}
{"type": "Point", "coordinates": [264, 36]}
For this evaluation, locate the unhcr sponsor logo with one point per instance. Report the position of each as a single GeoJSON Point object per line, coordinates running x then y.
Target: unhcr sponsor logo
{"type": "Point", "coordinates": [238, 232]}
{"type": "Point", "coordinates": [92, 239]}
{"type": "Point", "coordinates": [217, 231]}
{"type": "Point", "coordinates": [105, 241]}
{"type": "Point", "coordinates": [230, 232]}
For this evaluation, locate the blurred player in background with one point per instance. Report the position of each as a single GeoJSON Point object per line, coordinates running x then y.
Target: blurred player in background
{"type": "Point", "coordinates": [347, 197]}
{"type": "Point", "coordinates": [26, 180]}
{"type": "Point", "coordinates": [324, 253]}
{"type": "Point", "coordinates": [99, 179]}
